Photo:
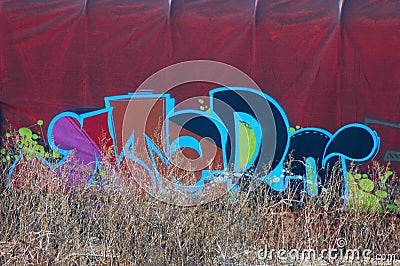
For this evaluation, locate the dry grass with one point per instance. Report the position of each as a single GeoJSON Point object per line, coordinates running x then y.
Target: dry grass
{"type": "Point", "coordinates": [43, 223]}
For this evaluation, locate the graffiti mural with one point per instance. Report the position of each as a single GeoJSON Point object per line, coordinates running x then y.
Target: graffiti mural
{"type": "Point", "coordinates": [242, 131]}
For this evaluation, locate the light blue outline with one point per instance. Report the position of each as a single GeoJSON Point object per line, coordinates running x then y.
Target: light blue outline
{"type": "Point", "coordinates": [272, 178]}
{"type": "Point", "coordinates": [276, 179]}
{"type": "Point", "coordinates": [216, 121]}
{"type": "Point", "coordinates": [343, 158]}
{"type": "Point", "coordinates": [311, 171]}
{"type": "Point", "coordinates": [373, 152]}
{"type": "Point", "coordinates": [185, 142]}
{"type": "Point", "coordinates": [314, 170]}
{"type": "Point", "coordinates": [169, 102]}
{"type": "Point", "coordinates": [206, 174]}
{"type": "Point", "coordinates": [255, 125]}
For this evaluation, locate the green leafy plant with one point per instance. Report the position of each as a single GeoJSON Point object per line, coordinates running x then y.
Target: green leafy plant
{"type": "Point", "coordinates": [26, 141]}
{"type": "Point", "coordinates": [43, 224]}
{"type": "Point", "coordinates": [371, 195]}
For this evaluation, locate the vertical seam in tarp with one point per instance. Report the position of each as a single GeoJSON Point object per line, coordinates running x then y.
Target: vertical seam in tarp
{"type": "Point", "coordinates": [2, 64]}
{"type": "Point", "coordinates": [2, 70]}
{"type": "Point", "coordinates": [340, 55]}
{"type": "Point", "coordinates": [85, 58]}
{"type": "Point", "coordinates": [254, 41]}
{"type": "Point", "coordinates": [170, 45]}
{"type": "Point", "coordinates": [341, 3]}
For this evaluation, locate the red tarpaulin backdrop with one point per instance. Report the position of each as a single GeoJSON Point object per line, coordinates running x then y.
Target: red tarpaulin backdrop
{"type": "Point", "coordinates": [327, 63]}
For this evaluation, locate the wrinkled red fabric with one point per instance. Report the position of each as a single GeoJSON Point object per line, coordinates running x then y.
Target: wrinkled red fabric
{"type": "Point", "coordinates": [327, 63]}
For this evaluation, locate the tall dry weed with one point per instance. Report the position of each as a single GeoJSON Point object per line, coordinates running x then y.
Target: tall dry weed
{"type": "Point", "coordinates": [113, 222]}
